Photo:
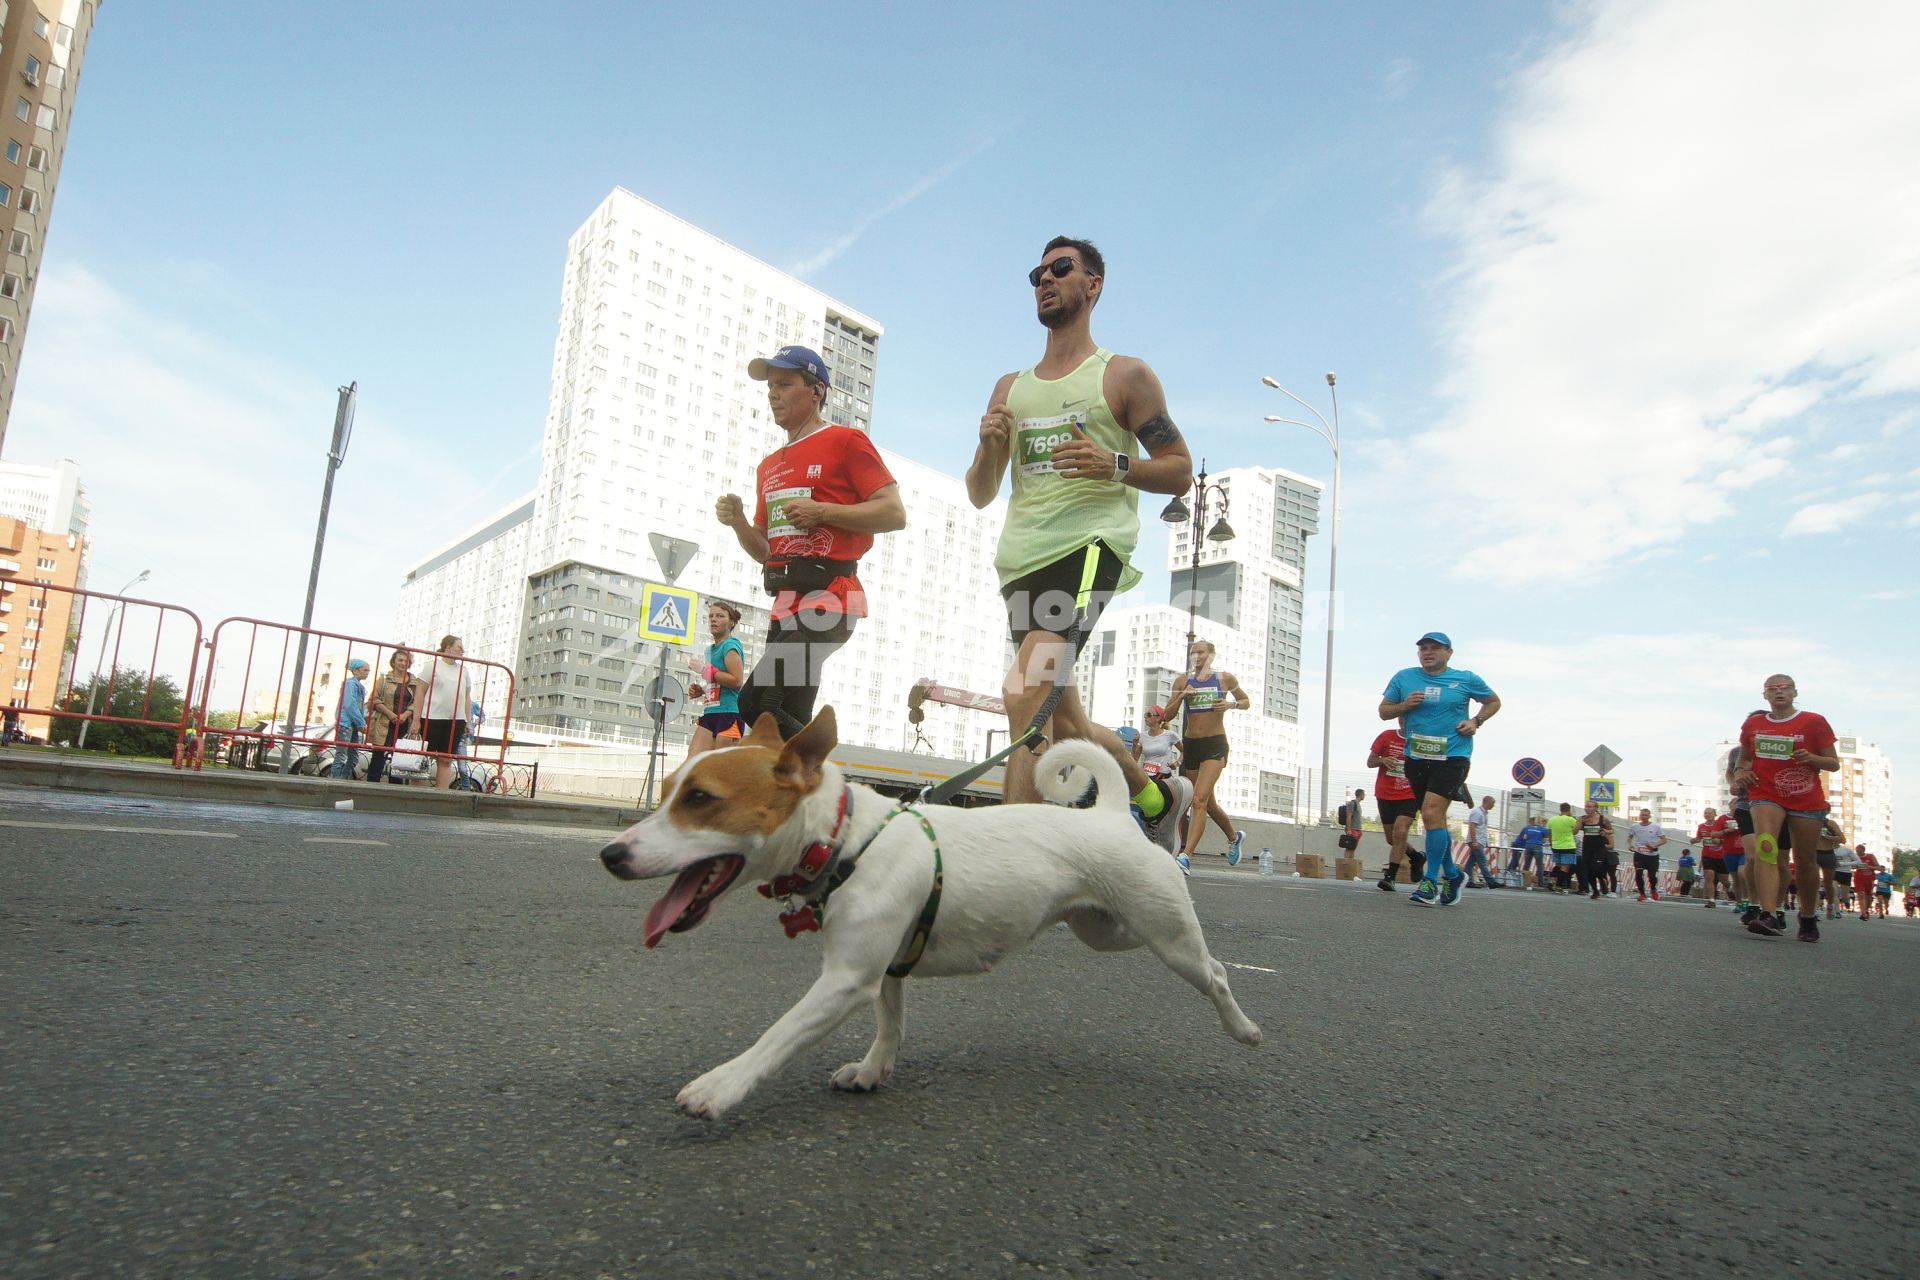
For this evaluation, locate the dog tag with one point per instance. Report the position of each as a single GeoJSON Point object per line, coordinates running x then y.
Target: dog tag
{"type": "Point", "coordinates": [799, 920]}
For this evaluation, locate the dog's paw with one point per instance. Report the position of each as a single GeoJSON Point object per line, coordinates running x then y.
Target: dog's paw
{"type": "Point", "coordinates": [857, 1077]}
{"type": "Point", "coordinates": [711, 1096]}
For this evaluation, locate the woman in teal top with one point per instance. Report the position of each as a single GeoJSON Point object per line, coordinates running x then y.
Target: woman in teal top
{"type": "Point", "coordinates": [717, 682]}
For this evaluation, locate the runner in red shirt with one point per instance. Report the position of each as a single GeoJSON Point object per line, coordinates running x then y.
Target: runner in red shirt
{"type": "Point", "coordinates": [1715, 835]}
{"type": "Point", "coordinates": [1398, 807]}
{"type": "Point", "coordinates": [1863, 887]}
{"type": "Point", "coordinates": [818, 501]}
{"type": "Point", "coordinates": [1782, 753]}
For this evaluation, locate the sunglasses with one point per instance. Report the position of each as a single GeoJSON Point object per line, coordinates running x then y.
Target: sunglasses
{"type": "Point", "coordinates": [1060, 267]}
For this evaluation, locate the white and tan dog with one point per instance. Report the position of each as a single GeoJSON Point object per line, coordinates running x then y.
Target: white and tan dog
{"type": "Point", "coordinates": [1009, 872]}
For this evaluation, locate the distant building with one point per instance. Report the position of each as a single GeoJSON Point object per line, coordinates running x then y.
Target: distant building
{"type": "Point", "coordinates": [35, 664]}
{"type": "Point", "coordinates": [650, 418]}
{"type": "Point", "coordinates": [42, 44]}
{"type": "Point", "coordinates": [50, 498]}
{"type": "Point", "coordinates": [1679, 807]}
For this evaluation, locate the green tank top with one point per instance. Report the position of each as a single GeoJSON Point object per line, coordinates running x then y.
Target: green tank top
{"type": "Point", "coordinates": [1049, 515]}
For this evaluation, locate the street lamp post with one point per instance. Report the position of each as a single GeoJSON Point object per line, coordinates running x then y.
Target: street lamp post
{"type": "Point", "coordinates": [1176, 513]}
{"type": "Point", "coordinates": [1330, 432]}
{"type": "Point", "coordinates": [93, 690]}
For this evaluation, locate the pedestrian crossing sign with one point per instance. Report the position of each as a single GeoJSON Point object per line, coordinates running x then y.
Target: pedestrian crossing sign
{"type": "Point", "coordinates": [666, 613]}
{"type": "Point", "coordinates": [1603, 793]}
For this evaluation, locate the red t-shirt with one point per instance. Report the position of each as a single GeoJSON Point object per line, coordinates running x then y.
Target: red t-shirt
{"type": "Point", "coordinates": [1390, 780]}
{"type": "Point", "coordinates": [1767, 745]}
{"type": "Point", "coordinates": [1719, 837]}
{"type": "Point", "coordinates": [834, 464]}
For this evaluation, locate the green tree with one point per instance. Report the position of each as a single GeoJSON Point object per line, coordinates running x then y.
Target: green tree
{"type": "Point", "coordinates": [123, 694]}
{"type": "Point", "coordinates": [1906, 865]}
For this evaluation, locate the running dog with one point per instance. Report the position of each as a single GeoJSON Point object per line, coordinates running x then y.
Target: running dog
{"type": "Point", "coordinates": [781, 812]}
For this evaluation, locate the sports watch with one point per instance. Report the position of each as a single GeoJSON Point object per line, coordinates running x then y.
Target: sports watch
{"type": "Point", "coordinates": [1121, 464]}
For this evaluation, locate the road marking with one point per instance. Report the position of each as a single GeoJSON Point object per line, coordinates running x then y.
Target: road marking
{"type": "Point", "coordinates": [126, 831]}
{"type": "Point", "coordinates": [1253, 967]}
{"type": "Point", "coordinates": [341, 840]}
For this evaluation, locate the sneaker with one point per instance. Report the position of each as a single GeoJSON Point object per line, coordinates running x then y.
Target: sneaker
{"type": "Point", "coordinates": [1165, 829]}
{"type": "Point", "coordinates": [1641, 897]}
{"type": "Point", "coordinates": [1424, 894]}
{"type": "Point", "coordinates": [1763, 923]}
{"type": "Point", "coordinates": [1386, 883]}
{"type": "Point", "coordinates": [1185, 863]}
{"type": "Point", "coordinates": [1748, 913]}
{"type": "Point", "coordinates": [1233, 849]}
{"type": "Point", "coordinates": [1450, 890]}
{"type": "Point", "coordinates": [1712, 905]}
{"type": "Point", "coordinates": [1595, 895]}
{"type": "Point", "coordinates": [1656, 895]}
{"type": "Point", "coordinates": [1809, 928]}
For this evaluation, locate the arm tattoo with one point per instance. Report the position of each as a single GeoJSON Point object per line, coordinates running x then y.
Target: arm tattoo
{"type": "Point", "coordinates": [1158, 432]}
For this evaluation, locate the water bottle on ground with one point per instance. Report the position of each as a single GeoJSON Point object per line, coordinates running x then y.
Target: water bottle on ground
{"type": "Point", "coordinates": [1266, 862]}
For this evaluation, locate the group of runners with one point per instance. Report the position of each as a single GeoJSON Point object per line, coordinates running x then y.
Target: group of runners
{"type": "Point", "coordinates": [1082, 432]}
{"type": "Point", "coordinates": [1779, 804]}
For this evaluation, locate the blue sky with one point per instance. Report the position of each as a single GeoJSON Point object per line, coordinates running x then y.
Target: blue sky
{"type": "Point", "coordinates": [1622, 297]}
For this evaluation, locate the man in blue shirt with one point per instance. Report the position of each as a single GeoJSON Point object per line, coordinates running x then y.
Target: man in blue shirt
{"type": "Point", "coordinates": [1527, 854]}
{"type": "Point", "coordinates": [352, 723]}
{"type": "Point", "coordinates": [1431, 702]}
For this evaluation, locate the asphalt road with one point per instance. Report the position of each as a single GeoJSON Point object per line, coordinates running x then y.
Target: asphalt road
{"type": "Point", "coordinates": [256, 1042]}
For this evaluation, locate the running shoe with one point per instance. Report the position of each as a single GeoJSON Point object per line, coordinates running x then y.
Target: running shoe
{"type": "Point", "coordinates": [1165, 829]}
{"type": "Point", "coordinates": [1233, 849]}
{"type": "Point", "coordinates": [1450, 890]}
{"type": "Point", "coordinates": [1748, 913]}
{"type": "Point", "coordinates": [1424, 894]}
{"type": "Point", "coordinates": [1386, 884]}
{"type": "Point", "coordinates": [1656, 895]}
{"type": "Point", "coordinates": [1712, 905]}
{"type": "Point", "coordinates": [1809, 928]}
{"type": "Point", "coordinates": [1764, 924]}
{"type": "Point", "coordinates": [1186, 864]}
{"type": "Point", "coordinates": [1641, 898]}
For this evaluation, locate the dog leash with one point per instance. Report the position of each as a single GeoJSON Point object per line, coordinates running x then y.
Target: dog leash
{"type": "Point", "coordinates": [1032, 739]}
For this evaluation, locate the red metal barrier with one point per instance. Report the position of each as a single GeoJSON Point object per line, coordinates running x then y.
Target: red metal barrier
{"type": "Point", "coordinates": [286, 728]}
{"type": "Point", "coordinates": [173, 626]}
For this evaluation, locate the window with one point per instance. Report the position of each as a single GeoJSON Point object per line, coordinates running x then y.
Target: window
{"type": "Point", "coordinates": [13, 152]}
{"type": "Point", "coordinates": [40, 26]}
{"type": "Point", "coordinates": [31, 71]}
{"type": "Point", "coordinates": [21, 243]}
{"type": "Point", "coordinates": [29, 199]}
{"type": "Point", "coordinates": [56, 76]}
{"type": "Point", "coordinates": [6, 330]}
{"type": "Point", "coordinates": [63, 35]}
{"type": "Point", "coordinates": [9, 286]}
{"type": "Point", "coordinates": [22, 109]}
{"type": "Point", "coordinates": [37, 158]}
{"type": "Point", "coordinates": [48, 118]}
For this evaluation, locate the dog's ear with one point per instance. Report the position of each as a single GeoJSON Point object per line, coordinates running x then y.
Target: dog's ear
{"type": "Point", "coordinates": [800, 759]}
{"type": "Point", "coordinates": [766, 732]}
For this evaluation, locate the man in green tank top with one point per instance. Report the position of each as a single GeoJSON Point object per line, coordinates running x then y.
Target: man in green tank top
{"type": "Point", "coordinates": [1067, 429]}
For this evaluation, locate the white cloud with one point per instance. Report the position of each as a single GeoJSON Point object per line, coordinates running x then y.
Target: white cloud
{"type": "Point", "coordinates": [1889, 594]}
{"type": "Point", "coordinates": [1830, 517]}
{"type": "Point", "coordinates": [1698, 229]}
{"type": "Point", "coordinates": [847, 239]}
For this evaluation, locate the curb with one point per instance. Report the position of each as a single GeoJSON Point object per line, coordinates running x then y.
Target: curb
{"type": "Point", "coordinates": [99, 777]}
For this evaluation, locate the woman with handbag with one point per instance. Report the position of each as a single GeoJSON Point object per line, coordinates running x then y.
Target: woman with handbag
{"type": "Point", "coordinates": [390, 707]}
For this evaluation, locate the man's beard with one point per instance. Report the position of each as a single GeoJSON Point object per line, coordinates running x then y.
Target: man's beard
{"type": "Point", "coordinates": [1065, 312]}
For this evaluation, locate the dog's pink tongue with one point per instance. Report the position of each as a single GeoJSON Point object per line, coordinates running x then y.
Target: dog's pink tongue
{"type": "Point", "coordinates": [674, 901]}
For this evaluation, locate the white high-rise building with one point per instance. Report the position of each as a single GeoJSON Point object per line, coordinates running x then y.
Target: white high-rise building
{"type": "Point", "coordinates": [50, 499]}
{"type": "Point", "coordinates": [1246, 598]}
{"type": "Point", "coordinates": [651, 417]}
{"type": "Point", "coordinates": [1679, 807]}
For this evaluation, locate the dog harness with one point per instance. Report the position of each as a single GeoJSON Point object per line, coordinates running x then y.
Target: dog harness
{"type": "Point", "coordinates": [824, 867]}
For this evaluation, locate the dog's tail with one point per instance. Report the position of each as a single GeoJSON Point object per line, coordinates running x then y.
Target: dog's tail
{"type": "Point", "coordinates": [1070, 768]}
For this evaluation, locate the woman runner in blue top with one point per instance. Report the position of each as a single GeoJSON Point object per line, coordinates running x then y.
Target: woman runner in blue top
{"type": "Point", "coordinates": [717, 682]}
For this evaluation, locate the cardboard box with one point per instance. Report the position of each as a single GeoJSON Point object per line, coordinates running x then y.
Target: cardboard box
{"type": "Point", "coordinates": [1310, 865]}
{"type": "Point", "coordinates": [1346, 868]}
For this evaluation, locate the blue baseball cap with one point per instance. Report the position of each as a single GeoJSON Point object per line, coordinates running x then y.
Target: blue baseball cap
{"type": "Point", "coordinates": [805, 359]}
{"type": "Point", "coordinates": [1438, 637]}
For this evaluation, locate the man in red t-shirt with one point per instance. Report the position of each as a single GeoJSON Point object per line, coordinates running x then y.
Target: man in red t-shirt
{"type": "Point", "coordinates": [1783, 751]}
{"type": "Point", "coordinates": [1716, 835]}
{"type": "Point", "coordinates": [818, 501]}
{"type": "Point", "coordinates": [1863, 885]}
{"type": "Point", "coordinates": [1395, 799]}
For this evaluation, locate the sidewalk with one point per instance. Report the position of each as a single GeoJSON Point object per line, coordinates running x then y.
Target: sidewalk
{"type": "Point", "coordinates": [107, 776]}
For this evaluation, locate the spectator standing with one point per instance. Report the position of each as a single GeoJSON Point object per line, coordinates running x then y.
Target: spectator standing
{"type": "Point", "coordinates": [1645, 838]}
{"type": "Point", "coordinates": [444, 707]}
{"type": "Point", "coordinates": [1530, 853]}
{"type": "Point", "coordinates": [350, 723]}
{"type": "Point", "coordinates": [391, 706]}
{"type": "Point", "coordinates": [818, 501]}
{"type": "Point", "coordinates": [1396, 804]}
{"type": "Point", "coordinates": [1684, 872]}
{"type": "Point", "coordinates": [1479, 826]}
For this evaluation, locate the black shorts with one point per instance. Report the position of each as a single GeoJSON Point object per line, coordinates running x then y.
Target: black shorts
{"type": "Point", "coordinates": [1646, 862]}
{"type": "Point", "coordinates": [1714, 865]}
{"type": "Point", "coordinates": [1743, 819]}
{"type": "Point", "coordinates": [446, 735]}
{"type": "Point", "coordinates": [1826, 860]}
{"type": "Point", "coordinates": [1438, 778]}
{"type": "Point", "coordinates": [1194, 751]}
{"type": "Point", "coordinates": [1043, 600]}
{"type": "Point", "coordinates": [1391, 811]}
{"type": "Point", "coordinates": [722, 724]}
